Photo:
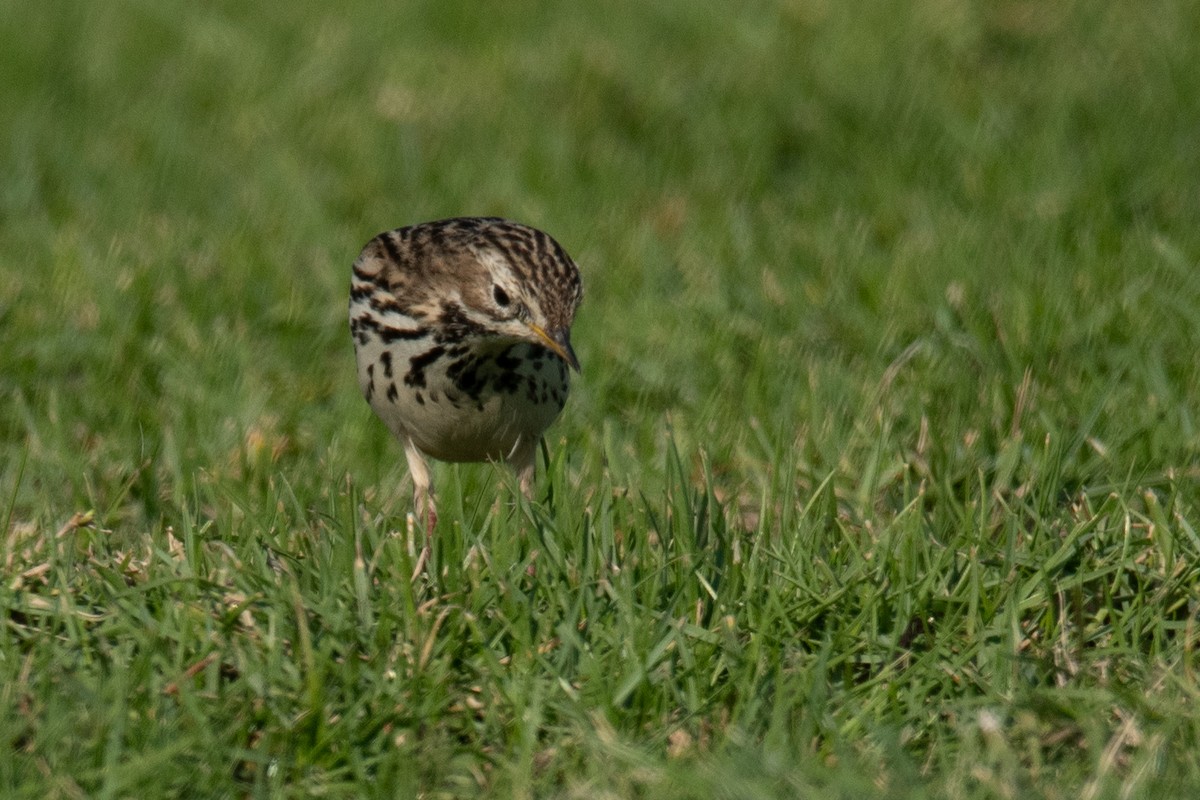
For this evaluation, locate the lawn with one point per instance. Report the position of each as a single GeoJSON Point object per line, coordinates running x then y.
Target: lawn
{"type": "Point", "coordinates": [881, 477]}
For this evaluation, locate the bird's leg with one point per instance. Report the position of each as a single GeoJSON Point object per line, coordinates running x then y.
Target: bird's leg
{"type": "Point", "coordinates": [523, 460]}
{"type": "Point", "coordinates": [422, 498]}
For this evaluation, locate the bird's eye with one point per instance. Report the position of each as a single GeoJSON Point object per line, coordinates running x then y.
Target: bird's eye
{"type": "Point", "coordinates": [501, 296]}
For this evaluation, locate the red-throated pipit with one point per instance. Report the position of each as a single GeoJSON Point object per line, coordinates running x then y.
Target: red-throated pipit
{"type": "Point", "coordinates": [462, 333]}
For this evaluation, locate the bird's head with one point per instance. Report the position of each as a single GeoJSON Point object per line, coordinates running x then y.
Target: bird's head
{"type": "Point", "coordinates": [525, 287]}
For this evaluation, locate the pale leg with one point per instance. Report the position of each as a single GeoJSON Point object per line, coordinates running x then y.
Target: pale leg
{"type": "Point", "coordinates": [523, 459]}
{"type": "Point", "coordinates": [422, 497]}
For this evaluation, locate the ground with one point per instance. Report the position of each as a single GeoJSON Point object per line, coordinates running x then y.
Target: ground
{"type": "Point", "coordinates": [879, 480]}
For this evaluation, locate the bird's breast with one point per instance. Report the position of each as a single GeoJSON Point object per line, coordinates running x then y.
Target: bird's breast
{"type": "Point", "coordinates": [463, 401]}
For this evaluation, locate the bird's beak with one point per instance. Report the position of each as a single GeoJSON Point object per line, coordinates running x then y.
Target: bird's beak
{"type": "Point", "coordinates": [559, 343]}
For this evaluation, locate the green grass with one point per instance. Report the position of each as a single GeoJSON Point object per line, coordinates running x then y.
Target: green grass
{"type": "Point", "coordinates": [880, 480]}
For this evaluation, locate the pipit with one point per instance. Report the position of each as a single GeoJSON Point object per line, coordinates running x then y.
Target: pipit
{"type": "Point", "coordinates": [462, 334]}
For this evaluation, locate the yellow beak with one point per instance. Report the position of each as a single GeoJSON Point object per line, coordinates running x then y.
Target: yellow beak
{"type": "Point", "coordinates": [559, 343]}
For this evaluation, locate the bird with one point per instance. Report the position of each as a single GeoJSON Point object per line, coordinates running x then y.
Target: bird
{"type": "Point", "coordinates": [462, 338]}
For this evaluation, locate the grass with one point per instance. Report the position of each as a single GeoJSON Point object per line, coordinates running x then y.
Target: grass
{"type": "Point", "coordinates": [880, 479]}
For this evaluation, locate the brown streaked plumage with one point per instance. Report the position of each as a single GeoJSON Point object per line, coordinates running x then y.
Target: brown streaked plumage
{"type": "Point", "coordinates": [462, 334]}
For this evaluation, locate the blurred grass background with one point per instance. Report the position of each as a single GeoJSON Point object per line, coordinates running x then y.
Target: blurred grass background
{"type": "Point", "coordinates": [880, 476]}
